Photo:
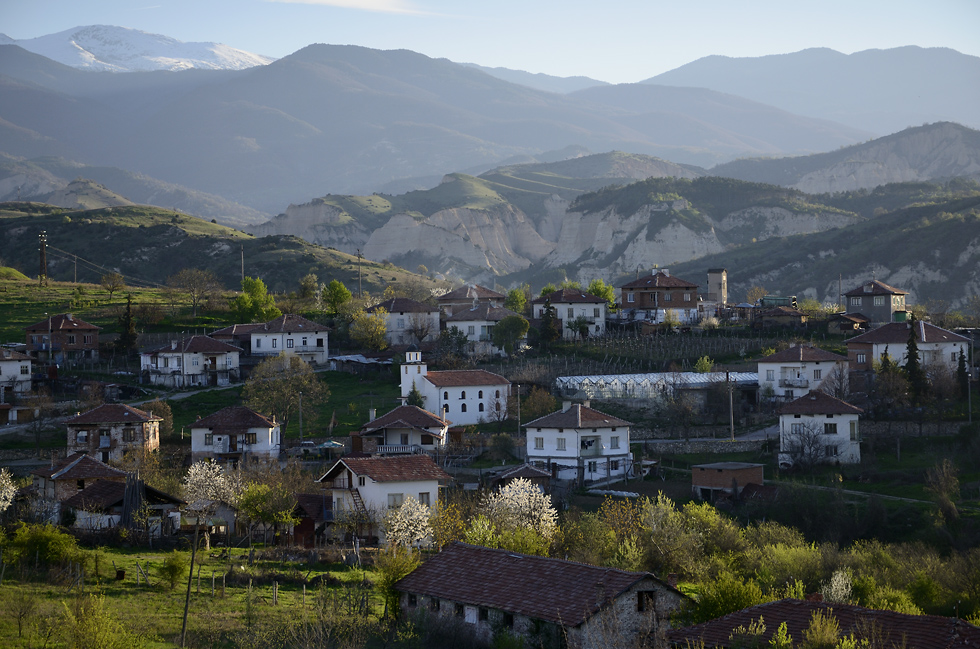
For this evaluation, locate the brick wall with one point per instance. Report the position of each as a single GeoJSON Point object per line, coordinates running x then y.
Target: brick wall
{"type": "Point", "coordinates": [722, 478]}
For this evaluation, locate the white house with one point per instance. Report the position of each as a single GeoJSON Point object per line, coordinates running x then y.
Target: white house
{"type": "Point", "coordinates": [467, 396]}
{"type": "Point", "coordinates": [477, 323]}
{"type": "Point", "coordinates": [372, 485]}
{"type": "Point", "coordinates": [467, 297]}
{"type": "Point", "coordinates": [573, 304]}
{"type": "Point", "coordinates": [198, 360]}
{"type": "Point", "coordinates": [819, 428]}
{"type": "Point", "coordinates": [406, 429]}
{"type": "Point", "coordinates": [579, 443]}
{"type": "Point", "coordinates": [293, 335]}
{"type": "Point", "coordinates": [409, 321]}
{"type": "Point", "coordinates": [233, 433]}
{"type": "Point", "coordinates": [797, 370]}
{"type": "Point", "coordinates": [15, 373]}
{"type": "Point", "coordinates": [936, 345]}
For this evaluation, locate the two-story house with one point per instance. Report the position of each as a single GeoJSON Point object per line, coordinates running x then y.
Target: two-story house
{"type": "Point", "coordinates": [582, 444]}
{"type": "Point", "coordinates": [797, 370]}
{"type": "Point", "coordinates": [198, 360]}
{"type": "Point", "coordinates": [15, 373]}
{"type": "Point", "coordinates": [233, 433]}
{"type": "Point", "coordinates": [818, 428]}
{"type": "Point", "coordinates": [406, 429]}
{"type": "Point", "coordinates": [369, 486]}
{"type": "Point", "coordinates": [572, 304]}
{"type": "Point", "coordinates": [650, 297]}
{"type": "Point", "coordinates": [877, 301]}
{"type": "Point", "coordinates": [292, 335]}
{"type": "Point", "coordinates": [467, 297]}
{"type": "Point", "coordinates": [468, 396]}
{"type": "Point", "coordinates": [936, 345]}
{"type": "Point", "coordinates": [409, 321]}
{"type": "Point", "coordinates": [65, 478]}
{"type": "Point", "coordinates": [477, 323]}
{"type": "Point", "coordinates": [111, 430]}
{"type": "Point", "coordinates": [63, 337]}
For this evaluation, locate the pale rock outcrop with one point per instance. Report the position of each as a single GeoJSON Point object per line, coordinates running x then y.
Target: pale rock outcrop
{"type": "Point", "coordinates": [766, 222]}
{"type": "Point", "coordinates": [320, 223]}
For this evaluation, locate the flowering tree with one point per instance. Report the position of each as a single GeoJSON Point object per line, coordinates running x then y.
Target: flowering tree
{"type": "Point", "coordinates": [206, 480]}
{"type": "Point", "coordinates": [521, 504]}
{"type": "Point", "coordinates": [7, 489]}
{"type": "Point", "coordinates": [408, 525]}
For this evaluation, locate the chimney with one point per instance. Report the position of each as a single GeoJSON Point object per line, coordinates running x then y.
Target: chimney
{"type": "Point", "coordinates": [665, 271]}
{"type": "Point", "coordinates": [173, 345]}
{"type": "Point", "coordinates": [372, 414]}
{"type": "Point", "coordinates": [68, 317]}
{"type": "Point", "coordinates": [565, 405]}
{"type": "Point", "coordinates": [587, 403]}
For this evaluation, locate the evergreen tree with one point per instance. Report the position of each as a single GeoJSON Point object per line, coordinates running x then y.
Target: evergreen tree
{"type": "Point", "coordinates": [415, 397]}
{"type": "Point", "coordinates": [127, 325]}
{"type": "Point", "coordinates": [550, 331]}
{"type": "Point", "coordinates": [962, 376]}
{"type": "Point", "coordinates": [918, 383]}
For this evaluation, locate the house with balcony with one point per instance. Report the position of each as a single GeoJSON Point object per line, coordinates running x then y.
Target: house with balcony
{"type": "Point", "coordinates": [937, 346]}
{"type": "Point", "coordinates": [15, 373]}
{"type": "Point", "coordinates": [819, 428]}
{"type": "Point", "coordinates": [477, 324]}
{"type": "Point", "coordinates": [467, 297]}
{"type": "Point", "coordinates": [367, 487]}
{"type": "Point", "coordinates": [468, 396]}
{"type": "Point", "coordinates": [111, 430]}
{"type": "Point", "coordinates": [194, 361]}
{"type": "Point", "coordinates": [574, 305]}
{"type": "Point", "coordinates": [292, 335]}
{"type": "Point", "coordinates": [63, 337]}
{"type": "Point", "coordinates": [404, 430]}
{"type": "Point", "coordinates": [797, 370]}
{"type": "Point", "coordinates": [878, 302]}
{"type": "Point", "coordinates": [581, 444]}
{"type": "Point", "coordinates": [234, 433]}
{"type": "Point", "coordinates": [650, 298]}
{"type": "Point", "coordinates": [409, 322]}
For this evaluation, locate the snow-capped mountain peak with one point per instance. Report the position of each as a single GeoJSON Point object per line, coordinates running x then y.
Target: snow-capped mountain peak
{"type": "Point", "coordinates": [120, 49]}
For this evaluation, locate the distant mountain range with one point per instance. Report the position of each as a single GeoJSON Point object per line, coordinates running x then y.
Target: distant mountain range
{"type": "Point", "coordinates": [105, 48]}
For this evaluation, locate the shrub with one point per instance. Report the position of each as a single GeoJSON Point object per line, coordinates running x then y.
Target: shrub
{"type": "Point", "coordinates": [173, 567]}
{"type": "Point", "coordinates": [44, 544]}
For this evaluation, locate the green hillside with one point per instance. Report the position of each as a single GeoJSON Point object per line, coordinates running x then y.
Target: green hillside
{"type": "Point", "coordinates": [148, 244]}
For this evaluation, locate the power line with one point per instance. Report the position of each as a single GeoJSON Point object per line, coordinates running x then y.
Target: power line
{"type": "Point", "coordinates": [130, 279]}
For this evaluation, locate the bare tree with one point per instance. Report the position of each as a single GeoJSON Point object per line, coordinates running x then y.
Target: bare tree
{"type": "Point", "coordinates": [419, 326]}
{"type": "Point", "coordinates": [837, 383]}
{"type": "Point", "coordinates": [198, 285]}
{"type": "Point", "coordinates": [112, 282]}
{"type": "Point", "coordinates": [41, 406]}
{"type": "Point", "coordinates": [803, 444]}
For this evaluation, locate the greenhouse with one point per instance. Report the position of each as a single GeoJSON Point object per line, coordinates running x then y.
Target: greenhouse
{"type": "Point", "coordinates": [659, 385]}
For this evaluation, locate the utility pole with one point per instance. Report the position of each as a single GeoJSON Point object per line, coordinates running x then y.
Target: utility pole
{"type": "Point", "coordinates": [358, 272]}
{"type": "Point", "coordinates": [300, 417]}
{"type": "Point", "coordinates": [243, 262]}
{"type": "Point", "coordinates": [731, 409]}
{"type": "Point", "coordinates": [42, 275]}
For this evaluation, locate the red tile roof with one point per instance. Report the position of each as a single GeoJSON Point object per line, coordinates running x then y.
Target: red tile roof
{"type": "Point", "coordinates": [819, 403]}
{"type": "Point", "coordinates": [79, 466]}
{"type": "Point", "coordinates": [112, 413]}
{"type": "Point", "coordinates": [528, 471]}
{"type": "Point", "coordinates": [11, 355]}
{"type": "Point", "coordinates": [453, 378]}
{"type": "Point", "coordinates": [290, 323]}
{"type": "Point", "coordinates": [62, 322]}
{"type": "Point", "coordinates": [896, 629]}
{"type": "Point", "coordinates": [541, 588]}
{"type": "Point", "coordinates": [659, 280]}
{"type": "Point", "coordinates": [482, 312]}
{"type": "Point", "coordinates": [236, 330]}
{"type": "Point", "coordinates": [105, 494]}
{"type": "Point", "coordinates": [195, 345]}
{"type": "Point", "coordinates": [569, 296]}
{"type": "Point", "coordinates": [470, 292]}
{"type": "Point", "coordinates": [577, 416]}
{"type": "Point", "coordinates": [875, 288]}
{"type": "Point", "coordinates": [397, 468]}
{"type": "Point", "coordinates": [234, 418]}
{"type": "Point", "coordinates": [403, 305]}
{"type": "Point", "coordinates": [898, 333]}
{"type": "Point", "coordinates": [315, 506]}
{"type": "Point", "coordinates": [406, 417]}
{"type": "Point", "coordinates": [803, 353]}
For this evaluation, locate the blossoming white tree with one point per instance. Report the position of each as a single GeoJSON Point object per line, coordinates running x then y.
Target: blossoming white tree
{"type": "Point", "coordinates": [206, 480]}
{"type": "Point", "coordinates": [521, 504]}
{"type": "Point", "coordinates": [7, 489]}
{"type": "Point", "coordinates": [408, 525]}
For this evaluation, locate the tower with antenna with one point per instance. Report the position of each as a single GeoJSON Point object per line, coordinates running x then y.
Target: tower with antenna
{"type": "Point", "coordinates": [42, 275]}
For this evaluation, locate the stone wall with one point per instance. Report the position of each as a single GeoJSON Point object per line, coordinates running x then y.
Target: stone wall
{"type": "Point", "coordinates": [908, 428]}
{"type": "Point", "coordinates": [671, 447]}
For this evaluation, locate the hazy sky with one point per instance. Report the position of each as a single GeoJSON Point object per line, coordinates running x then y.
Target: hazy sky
{"type": "Point", "coordinates": [612, 40]}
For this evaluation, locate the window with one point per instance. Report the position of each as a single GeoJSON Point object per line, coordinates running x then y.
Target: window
{"type": "Point", "coordinates": [614, 441]}
{"type": "Point", "coordinates": [251, 438]}
{"type": "Point", "coordinates": [471, 330]}
{"type": "Point", "coordinates": [796, 429]}
{"type": "Point", "coordinates": [424, 498]}
{"type": "Point", "coordinates": [830, 429]}
{"type": "Point", "coordinates": [479, 395]}
{"type": "Point", "coordinates": [862, 358]}
{"type": "Point", "coordinates": [129, 435]}
{"type": "Point", "coordinates": [304, 342]}
{"type": "Point", "coordinates": [855, 301]}
{"type": "Point", "coordinates": [789, 394]}
{"type": "Point", "coordinates": [195, 361]}
{"type": "Point", "coordinates": [666, 297]}
{"type": "Point", "coordinates": [24, 370]}
{"type": "Point", "coordinates": [481, 407]}
{"type": "Point", "coordinates": [508, 620]}
{"type": "Point", "coordinates": [879, 300]}
{"type": "Point", "coordinates": [412, 600]}
{"type": "Point", "coordinates": [208, 439]}
{"type": "Point", "coordinates": [445, 396]}
{"type": "Point", "coordinates": [319, 342]}
{"type": "Point", "coordinates": [593, 466]}
{"type": "Point", "coordinates": [629, 297]}
{"type": "Point", "coordinates": [484, 614]}
{"type": "Point", "coordinates": [361, 480]}
{"type": "Point", "coordinates": [854, 431]}
{"type": "Point", "coordinates": [830, 450]}
{"type": "Point", "coordinates": [952, 356]}
{"type": "Point", "coordinates": [71, 339]}
{"type": "Point", "coordinates": [561, 443]}
{"type": "Point", "coordinates": [539, 443]}
{"type": "Point", "coordinates": [462, 394]}
{"type": "Point", "coordinates": [427, 440]}
{"type": "Point", "coordinates": [82, 437]}
{"type": "Point", "coordinates": [817, 374]}
{"type": "Point", "coordinates": [395, 500]}
{"type": "Point", "coordinates": [400, 323]}
{"type": "Point", "coordinates": [434, 605]}
{"type": "Point", "coordinates": [445, 407]}
{"type": "Point", "coordinates": [497, 395]}
{"type": "Point", "coordinates": [460, 611]}
{"type": "Point", "coordinates": [646, 600]}
{"type": "Point", "coordinates": [614, 465]}
{"type": "Point", "coordinates": [258, 343]}
{"type": "Point", "coordinates": [770, 375]}
{"type": "Point", "coordinates": [274, 343]}
{"type": "Point", "coordinates": [404, 439]}
{"type": "Point", "coordinates": [687, 297]}
{"type": "Point", "coordinates": [462, 408]}
{"type": "Point", "coordinates": [571, 312]}
{"type": "Point", "coordinates": [177, 361]}
{"type": "Point", "coordinates": [595, 312]}
{"type": "Point", "coordinates": [87, 339]}
{"type": "Point", "coordinates": [289, 343]}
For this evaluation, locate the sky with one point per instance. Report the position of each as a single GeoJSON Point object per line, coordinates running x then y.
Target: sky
{"type": "Point", "coordinates": [617, 41]}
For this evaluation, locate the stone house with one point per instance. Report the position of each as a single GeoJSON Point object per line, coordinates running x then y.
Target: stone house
{"type": "Point", "coordinates": [15, 373]}
{"type": "Point", "coordinates": [111, 430]}
{"type": "Point", "coordinates": [794, 371]}
{"type": "Point", "coordinates": [709, 481]}
{"type": "Point", "coordinates": [194, 361]}
{"type": "Point", "coordinates": [649, 298]}
{"type": "Point", "coordinates": [819, 428]}
{"type": "Point", "coordinates": [107, 503]}
{"type": "Point", "coordinates": [581, 444]}
{"type": "Point", "coordinates": [467, 297]}
{"type": "Point", "coordinates": [292, 335]}
{"type": "Point", "coordinates": [63, 337]}
{"type": "Point", "coordinates": [573, 304]}
{"type": "Point", "coordinates": [936, 345]}
{"type": "Point", "coordinates": [477, 323]}
{"type": "Point", "coordinates": [409, 321]}
{"type": "Point", "coordinates": [878, 302]}
{"type": "Point", "coordinates": [539, 599]}
{"type": "Point", "coordinates": [468, 396]}
{"type": "Point", "coordinates": [234, 433]}
{"type": "Point", "coordinates": [65, 478]}
{"type": "Point", "coordinates": [404, 430]}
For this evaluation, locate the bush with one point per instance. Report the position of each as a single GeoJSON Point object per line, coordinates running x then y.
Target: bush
{"type": "Point", "coordinates": [44, 544]}
{"type": "Point", "coordinates": [173, 567]}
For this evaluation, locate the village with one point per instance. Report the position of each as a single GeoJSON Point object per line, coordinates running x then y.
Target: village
{"type": "Point", "coordinates": [518, 489]}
